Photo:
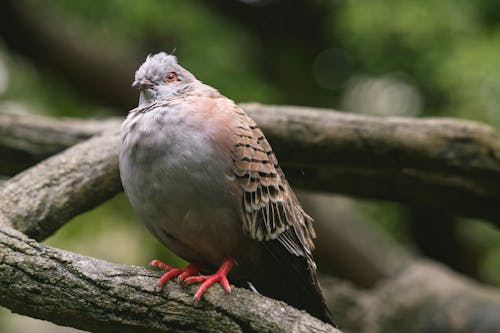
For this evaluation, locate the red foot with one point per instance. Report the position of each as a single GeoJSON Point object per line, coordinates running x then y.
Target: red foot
{"type": "Point", "coordinates": [182, 273]}
{"type": "Point", "coordinates": [208, 280]}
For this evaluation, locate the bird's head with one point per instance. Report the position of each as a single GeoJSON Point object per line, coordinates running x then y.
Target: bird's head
{"type": "Point", "coordinates": [160, 76]}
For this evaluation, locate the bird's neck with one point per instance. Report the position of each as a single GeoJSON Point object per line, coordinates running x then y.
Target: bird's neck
{"type": "Point", "coordinates": [146, 97]}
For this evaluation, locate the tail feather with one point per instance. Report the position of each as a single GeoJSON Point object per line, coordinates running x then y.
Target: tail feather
{"type": "Point", "coordinates": [290, 279]}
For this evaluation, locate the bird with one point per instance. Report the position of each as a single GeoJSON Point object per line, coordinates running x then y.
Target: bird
{"type": "Point", "coordinates": [204, 180]}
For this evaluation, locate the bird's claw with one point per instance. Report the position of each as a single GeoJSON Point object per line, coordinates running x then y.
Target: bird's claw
{"type": "Point", "coordinates": [208, 280]}
{"type": "Point", "coordinates": [189, 275]}
{"type": "Point", "coordinates": [181, 273]}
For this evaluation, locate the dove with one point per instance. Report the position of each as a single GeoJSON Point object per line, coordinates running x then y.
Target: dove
{"type": "Point", "coordinates": [204, 180]}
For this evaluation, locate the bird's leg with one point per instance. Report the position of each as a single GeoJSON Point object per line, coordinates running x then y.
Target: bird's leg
{"type": "Point", "coordinates": [208, 280]}
{"type": "Point", "coordinates": [182, 273]}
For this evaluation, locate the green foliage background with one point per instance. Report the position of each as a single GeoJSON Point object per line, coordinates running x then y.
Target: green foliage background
{"type": "Point", "coordinates": [446, 51]}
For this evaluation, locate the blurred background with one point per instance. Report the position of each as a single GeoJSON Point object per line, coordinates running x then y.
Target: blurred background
{"type": "Point", "coordinates": [379, 57]}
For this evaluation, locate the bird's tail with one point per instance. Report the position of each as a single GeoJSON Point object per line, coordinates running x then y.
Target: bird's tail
{"type": "Point", "coordinates": [291, 279]}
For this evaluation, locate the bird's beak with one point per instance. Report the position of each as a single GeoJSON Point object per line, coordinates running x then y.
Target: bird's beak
{"type": "Point", "coordinates": [142, 84]}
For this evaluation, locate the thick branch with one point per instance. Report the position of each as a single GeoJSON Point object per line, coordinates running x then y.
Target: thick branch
{"type": "Point", "coordinates": [442, 163]}
{"type": "Point", "coordinates": [91, 294]}
{"type": "Point", "coordinates": [41, 199]}
{"type": "Point", "coordinates": [84, 175]}
{"type": "Point", "coordinates": [449, 164]}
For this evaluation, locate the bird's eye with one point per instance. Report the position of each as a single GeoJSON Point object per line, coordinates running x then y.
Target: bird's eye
{"type": "Point", "coordinates": [171, 77]}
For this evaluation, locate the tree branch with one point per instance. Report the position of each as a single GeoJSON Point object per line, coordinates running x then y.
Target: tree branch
{"type": "Point", "coordinates": [41, 199]}
{"type": "Point", "coordinates": [59, 286]}
{"type": "Point", "coordinates": [407, 294]}
{"type": "Point", "coordinates": [26, 139]}
{"type": "Point", "coordinates": [86, 293]}
{"type": "Point", "coordinates": [450, 164]}
{"type": "Point", "coordinates": [422, 297]}
{"type": "Point", "coordinates": [441, 163]}
{"type": "Point", "coordinates": [95, 295]}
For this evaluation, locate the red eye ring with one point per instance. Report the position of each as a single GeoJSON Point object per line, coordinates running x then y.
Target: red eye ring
{"type": "Point", "coordinates": [171, 77]}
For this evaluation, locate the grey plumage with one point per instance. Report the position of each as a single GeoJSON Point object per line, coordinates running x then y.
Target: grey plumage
{"type": "Point", "coordinates": [205, 181]}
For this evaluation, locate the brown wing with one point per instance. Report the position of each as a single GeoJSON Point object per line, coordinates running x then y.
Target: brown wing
{"type": "Point", "coordinates": [272, 214]}
{"type": "Point", "coordinates": [271, 209]}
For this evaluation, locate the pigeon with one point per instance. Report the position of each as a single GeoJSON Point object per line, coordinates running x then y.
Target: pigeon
{"type": "Point", "coordinates": [204, 180]}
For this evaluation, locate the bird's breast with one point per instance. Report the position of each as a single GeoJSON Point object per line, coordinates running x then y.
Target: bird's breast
{"type": "Point", "coordinates": [174, 173]}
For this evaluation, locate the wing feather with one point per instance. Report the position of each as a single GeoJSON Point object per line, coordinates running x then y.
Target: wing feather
{"type": "Point", "coordinates": [271, 211]}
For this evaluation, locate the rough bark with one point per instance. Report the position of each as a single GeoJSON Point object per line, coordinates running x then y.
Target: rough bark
{"type": "Point", "coordinates": [26, 139]}
{"type": "Point", "coordinates": [91, 294]}
{"type": "Point", "coordinates": [445, 164]}
{"type": "Point", "coordinates": [88, 293]}
{"type": "Point", "coordinates": [41, 199]}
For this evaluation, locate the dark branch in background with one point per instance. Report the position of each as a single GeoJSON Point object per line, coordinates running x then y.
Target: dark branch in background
{"type": "Point", "coordinates": [28, 139]}
{"type": "Point", "coordinates": [437, 238]}
{"type": "Point", "coordinates": [423, 297]}
{"type": "Point", "coordinates": [449, 164]}
{"type": "Point", "coordinates": [445, 164]}
{"type": "Point", "coordinates": [33, 33]}
{"type": "Point", "coordinates": [347, 246]}
{"type": "Point", "coordinates": [407, 295]}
